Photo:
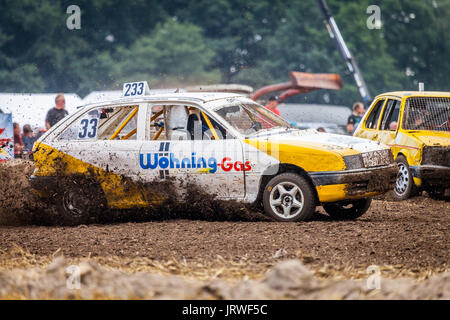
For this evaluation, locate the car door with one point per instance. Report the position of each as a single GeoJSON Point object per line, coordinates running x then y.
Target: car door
{"type": "Point", "coordinates": [368, 128]}
{"type": "Point", "coordinates": [389, 123]}
{"type": "Point", "coordinates": [206, 162]}
{"type": "Point", "coordinates": [103, 142]}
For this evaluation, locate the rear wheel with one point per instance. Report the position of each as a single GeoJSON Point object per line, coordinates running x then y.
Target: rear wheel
{"type": "Point", "coordinates": [404, 186]}
{"type": "Point", "coordinates": [289, 197]}
{"type": "Point", "coordinates": [348, 209]}
{"type": "Point", "coordinates": [78, 201]}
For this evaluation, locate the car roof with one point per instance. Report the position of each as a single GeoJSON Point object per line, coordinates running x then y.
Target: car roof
{"type": "Point", "coordinates": [402, 94]}
{"type": "Point", "coordinates": [189, 97]}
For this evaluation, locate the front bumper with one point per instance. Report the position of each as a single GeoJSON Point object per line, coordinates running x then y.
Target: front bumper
{"type": "Point", "coordinates": [432, 175]}
{"type": "Point", "coordinates": [356, 183]}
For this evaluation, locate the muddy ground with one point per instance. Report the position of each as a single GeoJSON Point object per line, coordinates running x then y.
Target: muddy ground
{"type": "Point", "coordinates": [403, 239]}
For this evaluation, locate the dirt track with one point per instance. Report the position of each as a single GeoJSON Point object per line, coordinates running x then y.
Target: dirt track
{"type": "Point", "coordinates": [210, 240]}
{"type": "Point", "coordinates": [412, 235]}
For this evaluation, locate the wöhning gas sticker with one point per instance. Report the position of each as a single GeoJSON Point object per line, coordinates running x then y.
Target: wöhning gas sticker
{"type": "Point", "coordinates": [157, 161]}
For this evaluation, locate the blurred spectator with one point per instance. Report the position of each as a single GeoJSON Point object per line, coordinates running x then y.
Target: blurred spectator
{"type": "Point", "coordinates": [28, 138]}
{"type": "Point", "coordinates": [273, 104]}
{"type": "Point", "coordinates": [355, 117]}
{"type": "Point", "coordinates": [40, 132]}
{"type": "Point", "coordinates": [18, 142]}
{"type": "Point", "coordinates": [321, 129]}
{"type": "Point", "coordinates": [57, 112]}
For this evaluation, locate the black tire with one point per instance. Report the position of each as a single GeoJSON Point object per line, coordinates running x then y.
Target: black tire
{"type": "Point", "coordinates": [404, 186]}
{"type": "Point", "coordinates": [298, 192]}
{"type": "Point", "coordinates": [78, 201]}
{"type": "Point", "coordinates": [348, 209]}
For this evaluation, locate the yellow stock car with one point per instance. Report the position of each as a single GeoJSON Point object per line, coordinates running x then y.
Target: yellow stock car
{"type": "Point", "coordinates": [416, 126]}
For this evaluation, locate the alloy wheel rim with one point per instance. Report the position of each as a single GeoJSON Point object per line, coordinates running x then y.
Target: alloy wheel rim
{"type": "Point", "coordinates": [70, 204]}
{"type": "Point", "coordinates": [401, 185]}
{"type": "Point", "coordinates": [286, 200]}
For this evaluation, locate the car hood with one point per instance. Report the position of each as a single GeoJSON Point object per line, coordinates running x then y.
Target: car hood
{"type": "Point", "coordinates": [433, 139]}
{"type": "Point", "coordinates": [340, 144]}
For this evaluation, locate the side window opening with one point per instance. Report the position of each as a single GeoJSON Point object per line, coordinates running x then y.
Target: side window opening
{"type": "Point", "coordinates": [178, 122]}
{"type": "Point", "coordinates": [122, 124]}
{"type": "Point", "coordinates": [374, 116]}
{"type": "Point", "coordinates": [104, 123]}
{"type": "Point", "coordinates": [390, 116]}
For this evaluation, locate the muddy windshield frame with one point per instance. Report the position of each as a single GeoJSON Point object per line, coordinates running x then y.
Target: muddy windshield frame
{"type": "Point", "coordinates": [250, 118]}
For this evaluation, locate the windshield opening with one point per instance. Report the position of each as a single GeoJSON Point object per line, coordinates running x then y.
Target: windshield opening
{"type": "Point", "coordinates": [249, 119]}
{"type": "Point", "coordinates": [427, 113]}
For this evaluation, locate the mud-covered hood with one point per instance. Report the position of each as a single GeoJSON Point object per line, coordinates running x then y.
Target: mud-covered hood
{"type": "Point", "coordinates": [435, 139]}
{"type": "Point", "coordinates": [326, 141]}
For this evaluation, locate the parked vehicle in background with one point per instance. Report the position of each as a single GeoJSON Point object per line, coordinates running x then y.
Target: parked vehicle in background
{"type": "Point", "coordinates": [416, 126]}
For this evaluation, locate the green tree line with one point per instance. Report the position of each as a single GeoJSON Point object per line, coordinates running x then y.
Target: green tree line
{"type": "Point", "coordinates": [254, 42]}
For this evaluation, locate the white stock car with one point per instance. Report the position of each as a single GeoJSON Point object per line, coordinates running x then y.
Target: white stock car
{"type": "Point", "coordinates": [227, 144]}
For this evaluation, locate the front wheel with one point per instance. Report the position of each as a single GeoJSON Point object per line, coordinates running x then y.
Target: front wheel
{"type": "Point", "coordinates": [348, 209]}
{"type": "Point", "coordinates": [404, 186]}
{"type": "Point", "coordinates": [289, 197]}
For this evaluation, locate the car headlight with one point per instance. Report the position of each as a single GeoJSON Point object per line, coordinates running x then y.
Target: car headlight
{"type": "Point", "coordinates": [353, 162]}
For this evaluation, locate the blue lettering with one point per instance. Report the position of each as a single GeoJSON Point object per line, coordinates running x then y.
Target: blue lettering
{"type": "Point", "coordinates": [193, 160]}
{"type": "Point", "coordinates": [201, 163]}
{"type": "Point", "coordinates": [186, 163]}
{"type": "Point", "coordinates": [163, 162]}
{"type": "Point", "coordinates": [149, 164]}
{"type": "Point", "coordinates": [153, 161]}
{"type": "Point", "coordinates": [212, 163]}
{"type": "Point", "coordinates": [174, 162]}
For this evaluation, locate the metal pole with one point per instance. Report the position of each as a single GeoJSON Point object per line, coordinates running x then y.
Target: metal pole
{"type": "Point", "coordinates": [345, 53]}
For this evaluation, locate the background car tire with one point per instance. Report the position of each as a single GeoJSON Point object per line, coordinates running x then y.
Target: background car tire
{"type": "Point", "coordinates": [348, 209]}
{"type": "Point", "coordinates": [289, 197]}
{"type": "Point", "coordinates": [78, 200]}
{"type": "Point", "coordinates": [404, 186]}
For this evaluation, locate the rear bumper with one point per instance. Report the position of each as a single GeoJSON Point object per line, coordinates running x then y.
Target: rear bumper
{"type": "Point", "coordinates": [357, 183]}
{"type": "Point", "coordinates": [432, 175]}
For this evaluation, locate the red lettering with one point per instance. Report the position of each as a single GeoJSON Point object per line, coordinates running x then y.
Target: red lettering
{"type": "Point", "coordinates": [226, 166]}
{"type": "Point", "coordinates": [238, 166]}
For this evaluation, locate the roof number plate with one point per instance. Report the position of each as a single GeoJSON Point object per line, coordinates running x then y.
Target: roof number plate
{"type": "Point", "coordinates": [135, 89]}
